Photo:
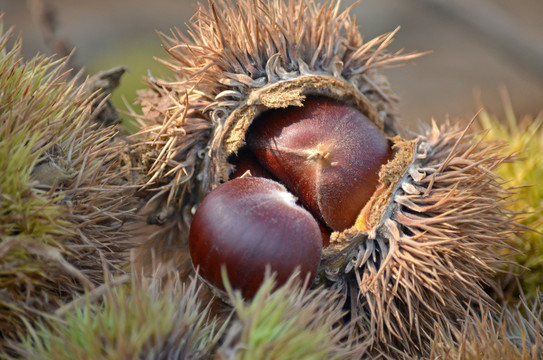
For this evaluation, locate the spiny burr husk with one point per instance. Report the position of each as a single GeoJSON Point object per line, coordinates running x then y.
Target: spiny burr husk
{"type": "Point", "coordinates": [525, 137]}
{"type": "Point", "coordinates": [291, 322]}
{"type": "Point", "coordinates": [424, 248]}
{"type": "Point", "coordinates": [421, 251]}
{"type": "Point", "coordinates": [164, 316]}
{"type": "Point", "coordinates": [237, 61]}
{"type": "Point", "coordinates": [513, 333]}
{"type": "Point", "coordinates": [63, 190]}
{"type": "Point", "coordinates": [129, 317]}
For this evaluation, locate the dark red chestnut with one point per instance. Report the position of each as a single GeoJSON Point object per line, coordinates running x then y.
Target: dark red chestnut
{"type": "Point", "coordinates": [327, 153]}
{"type": "Point", "coordinates": [325, 234]}
{"type": "Point", "coordinates": [248, 223]}
{"type": "Point", "coordinates": [245, 162]}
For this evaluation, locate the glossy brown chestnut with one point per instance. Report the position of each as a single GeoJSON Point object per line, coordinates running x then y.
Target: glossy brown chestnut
{"type": "Point", "coordinates": [327, 153]}
{"type": "Point", "coordinates": [247, 224]}
{"type": "Point", "coordinates": [246, 163]}
{"type": "Point", "coordinates": [325, 234]}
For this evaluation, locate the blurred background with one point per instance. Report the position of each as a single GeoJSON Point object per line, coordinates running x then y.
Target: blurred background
{"type": "Point", "coordinates": [479, 46]}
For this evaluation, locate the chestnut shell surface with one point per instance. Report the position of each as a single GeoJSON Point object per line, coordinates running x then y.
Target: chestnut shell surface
{"type": "Point", "coordinates": [247, 224]}
{"type": "Point", "coordinates": [326, 152]}
{"type": "Point", "coordinates": [246, 164]}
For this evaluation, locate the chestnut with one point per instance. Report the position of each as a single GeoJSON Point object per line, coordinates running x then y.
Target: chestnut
{"type": "Point", "coordinates": [326, 152]}
{"type": "Point", "coordinates": [247, 224]}
{"type": "Point", "coordinates": [245, 162]}
{"type": "Point", "coordinates": [325, 233]}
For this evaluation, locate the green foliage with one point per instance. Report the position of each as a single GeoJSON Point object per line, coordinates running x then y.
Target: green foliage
{"type": "Point", "coordinates": [525, 138]}
{"type": "Point", "coordinates": [131, 321]}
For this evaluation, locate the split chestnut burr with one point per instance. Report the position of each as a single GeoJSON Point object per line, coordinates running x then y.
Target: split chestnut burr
{"type": "Point", "coordinates": [325, 157]}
